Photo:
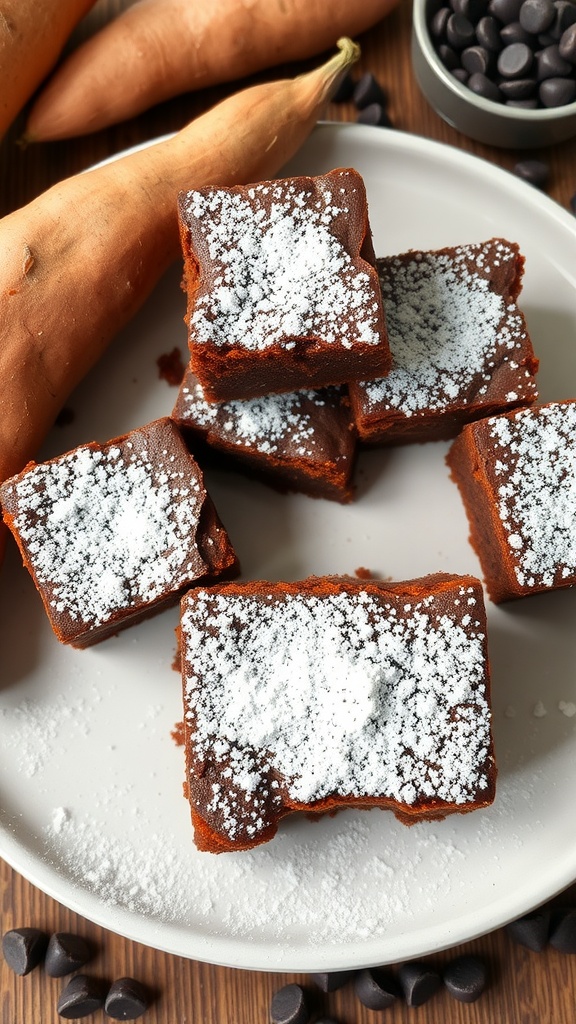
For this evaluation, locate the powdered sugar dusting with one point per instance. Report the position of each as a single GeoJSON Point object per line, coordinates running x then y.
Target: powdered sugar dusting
{"type": "Point", "coordinates": [278, 271]}
{"type": "Point", "coordinates": [109, 528]}
{"type": "Point", "coordinates": [344, 694]}
{"type": "Point", "coordinates": [271, 425]}
{"type": "Point", "coordinates": [446, 328]}
{"type": "Point", "coordinates": [534, 466]}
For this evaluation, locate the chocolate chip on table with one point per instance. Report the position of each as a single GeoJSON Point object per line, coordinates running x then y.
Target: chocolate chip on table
{"type": "Point", "coordinates": [419, 982]}
{"type": "Point", "coordinates": [82, 996]}
{"type": "Point", "coordinates": [368, 90]}
{"type": "Point", "coordinates": [66, 952]}
{"type": "Point", "coordinates": [465, 978]}
{"type": "Point", "coordinates": [535, 172]}
{"type": "Point", "coordinates": [127, 999]}
{"type": "Point", "coordinates": [531, 930]}
{"type": "Point", "coordinates": [376, 988]}
{"type": "Point", "coordinates": [24, 949]}
{"type": "Point", "coordinates": [332, 980]}
{"type": "Point", "coordinates": [563, 930]}
{"type": "Point", "coordinates": [290, 1006]}
{"type": "Point", "coordinates": [374, 114]}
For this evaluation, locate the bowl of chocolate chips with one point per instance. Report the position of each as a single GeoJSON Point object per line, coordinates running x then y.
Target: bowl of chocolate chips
{"type": "Point", "coordinates": [502, 72]}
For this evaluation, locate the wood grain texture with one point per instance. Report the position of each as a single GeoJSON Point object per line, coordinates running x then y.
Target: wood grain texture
{"type": "Point", "coordinates": [525, 988]}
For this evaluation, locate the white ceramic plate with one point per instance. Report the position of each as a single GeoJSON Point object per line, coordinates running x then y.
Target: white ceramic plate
{"type": "Point", "coordinates": [90, 779]}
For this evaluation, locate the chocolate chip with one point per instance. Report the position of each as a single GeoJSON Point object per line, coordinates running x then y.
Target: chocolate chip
{"type": "Point", "coordinates": [505, 10]}
{"type": "Point", "coordinates": [565, 16]}
{"type": "Point", "coordinates": [439, 22]}
{"type": "Point", "coordinates": [82, 996]}
{"type": "Point", "coordinates": [461, 75]}
{"type": "Point", "coordinates": [376, 988]}
{"type": "Point", "coordinates": [488, 34]}
{"type": "Point", "coordinates": [471, 9]}
{"type": "Point", "coordinates": [448, 56]}
{"type": "Point", "coordinates": [567, 44]}
{"type": "Point", "coordinates": [535, 172]}
{"type": "Point", "coordinates": [459, 32]}
{"type": "Point", "coordinates": [531, 930]}
{"type": "Point", "coordinates": [290, 1006]}
{"type": "Point", "coordinates": [333, 980]}
{"type": "Point", "coordinates": [465, 978]}
{"type": "Point", "coordinates": [24, 948]}
{"type": "Point", "coordinates": [374, 114]}
{"type": "Point", "coordinates": [557, 92]}
{"type": "Point", "coordinates": [66, 952]}
{"type": "Point", "coordinates": [518, 88]}
{"type": "Point", "coordinates": [515, 61]}
{"type": "Point", "coordinates": [537, 15]}
{"type": "Point", "coordinates": [476, 59]}
{"type": "Point", "coordinates": [127, 999]}
{"type": "Point", "coordinates": [419, 982]}
{"type": "Point", "coordinates": [485, 87]}
{"type": "Point", "coordinates": [551, 64]}
{"type": "Point", "coordinates": [514, 33]}
{"type": "Point", "coordinates": [368, 90]}
{"type": "Point", "coordinates": [563, 930]}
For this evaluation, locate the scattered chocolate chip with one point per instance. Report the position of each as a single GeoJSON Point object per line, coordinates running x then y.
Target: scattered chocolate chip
{"type": "Point", "coordinates": [24, 948]}
{"type": "Point", "coordinates": [368, 90]}
{"type": "Point", "coordinates": [465, 978]}
{"type": "Point", "coordinates": [531, 930]}
{"type": "Point", "coordinates": [374, 114]}
{"type": "Point", "coordinates": [82, 996]}
{"type": "Point", "coordinates": [171, 367]}
{"type": "Point", "coordinates": [419, 982]}
{"type": "Point", "coordinates": [66, 952]}
{"type": "Point", "coordinates": [376, 988]}
{"type": "Point", "coordinates": [290, 1006]}
{"type": "Point", "coordinates": [535, 172]}
{"type": "Point", "coordinates": [126, 1000]}
{"type": "Point", "coordinates": [333, 980]}
{"type": "Point", "coordinates": [563, 930]}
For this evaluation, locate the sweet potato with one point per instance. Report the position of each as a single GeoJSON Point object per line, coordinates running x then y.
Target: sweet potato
{"type": "Point", "coordinates": [160, 48]}
{"type": "Point", "coordinates": [78, 261]}
{"type": "Point", "coordinates": [32, 34]}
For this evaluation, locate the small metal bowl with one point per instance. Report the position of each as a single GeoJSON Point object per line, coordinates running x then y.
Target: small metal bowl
{"type": "Point", "coordinates": [492, 123]}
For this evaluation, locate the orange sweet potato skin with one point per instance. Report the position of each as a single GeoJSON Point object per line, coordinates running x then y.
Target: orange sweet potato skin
{"type": "Point", "coordinates": [32, 34]}
{"type": "Point", "coordinates": [157, 49]}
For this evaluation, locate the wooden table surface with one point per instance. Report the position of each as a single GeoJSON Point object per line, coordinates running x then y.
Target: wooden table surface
{"type": "Point", "coordinates": [525, 987]}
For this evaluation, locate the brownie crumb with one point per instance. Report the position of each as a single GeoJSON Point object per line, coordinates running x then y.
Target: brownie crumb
{"type": "Point", "coordinates": [171, 367]}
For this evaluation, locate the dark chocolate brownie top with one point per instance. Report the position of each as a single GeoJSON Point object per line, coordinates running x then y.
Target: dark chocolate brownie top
{"type": "Point", "coordinates": [451, 322]}
{"type": "Point", "coordinates": [280, 260]}
{"type": "Point", "coordinates": [530, 461]}
{"type": "Point", "coordinates": [350, 692]}
{"type": "Point", "coordinates": [302, 425]}
{"type": "Point", "coordinates": [108, 528]}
